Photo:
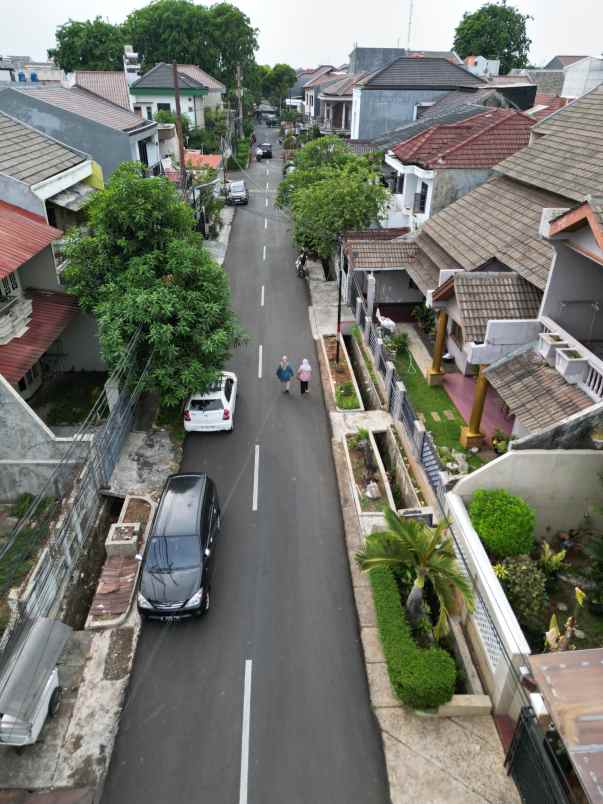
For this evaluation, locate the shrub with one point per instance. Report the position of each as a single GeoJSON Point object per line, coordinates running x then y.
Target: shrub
{"type": "Point", "coordinates": [22, 505]}
{"type": "Point", "coordinates": [525, 586]}
{"type": "Point", "coordinates": [397, 343]}
{"type": "Point", "coordinates": [345, 396]}
{"type": "Point", "coordinates": [505, 523]}
{"type": "Point", "coordinates": [422, 678]}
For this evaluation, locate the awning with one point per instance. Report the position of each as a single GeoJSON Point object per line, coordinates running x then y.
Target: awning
{"type": "Point", "coordinates": [571, 683]}
{"type": "Point", "coordinates": [22, 236]}
{"type": "Point", "coordinates": [32, 660]}
{"type": "Point", "coordinates": [75, 197]}
{"type": "Point", "coordinates": [51, 313]}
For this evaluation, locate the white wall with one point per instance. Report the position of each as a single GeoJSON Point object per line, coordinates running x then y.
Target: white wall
{"type": "Point", "coordinates": [80, 343]}
{"type": "Point", "coordinates": [582, 76]}
{"type": "Point", "coordinates": [503, 337]}
{"type": "Point", "coordinates": [186, 104]}
{"type": "Point", "coordinates": [560, 485]}
{"type": "Point", "coordinates": [356, 101]}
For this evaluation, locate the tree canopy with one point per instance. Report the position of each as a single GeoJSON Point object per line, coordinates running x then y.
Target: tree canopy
{"type": "Point", "coordinates": [330, 191]}
{"type": "Point", "coordinates": [495, 31]}
{"type": "Point", "coordinates": [140, 264]}
{"type": "Point", "coordinates": [90, 45]}
{"type": "Point", "coordinates": [276, 82]}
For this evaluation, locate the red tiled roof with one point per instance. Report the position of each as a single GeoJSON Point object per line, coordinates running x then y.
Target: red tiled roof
{"type": "Point", "coordinates": [549, 104]}
{"type": "Point", "coordinates": [479, 142]}
{"type": "Point", "coordinates": [199, 160]}
{"type": "Point", "coordinates": [51, 313]}
{"type": "Point", "coordinates": [22, 235]}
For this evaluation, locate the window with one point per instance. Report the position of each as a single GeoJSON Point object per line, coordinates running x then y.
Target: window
{"type": "Point", "coordinates": [399, 184]}
{"type": "Point", "coordinates": [164, 107]}
{"type": "Point", "coordinates": [423, 196]}
{"type": "Point", "coordinates": [149, 112]}
{"type": "Point", "coordinates": [456, 333]}
{"type": "Point", "coordinates": [191, 108]}
{"type": "Point", "coordinates": [6, 289]}
{"type": "Point", "coordinates": [228, 388]}
{"type": "Point", "coordinates": [138, 110]}
{"type": "Point", "coordinates": [142, 152]}
{"type": "Point", "coordinates": [13, 281]}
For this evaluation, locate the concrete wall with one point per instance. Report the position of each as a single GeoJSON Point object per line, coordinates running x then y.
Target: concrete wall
{"type": "Point", "coordinates": [560, 485]}
{"type": "Point", "coordinates": [393, 287]}
{"type": "Point", "coordinates": [19, 194]}
{"type": "Point", "coordinates": [575, 278]}
{"type": "Point", "coordinates": [105, 145]}
{"type": "Point", "coordinates": [503, 337]}
{"type": "Point", "coordinates": [369, 59]}
{"type": "Point", "coordinates": [39, 272]}
{"type": "Point", "coordinates": [382, 110]}
{"type": "Point", "coordinates": [80, 342]}
{"type": "Point", "coordinates": [450, 185]}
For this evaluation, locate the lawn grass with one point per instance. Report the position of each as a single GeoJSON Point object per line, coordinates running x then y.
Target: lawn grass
{"type": "Point", "coordinates": [426, 399]}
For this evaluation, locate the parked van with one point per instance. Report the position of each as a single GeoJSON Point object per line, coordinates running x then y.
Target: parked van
{"type": "Point", "coordinates": [175, 575]}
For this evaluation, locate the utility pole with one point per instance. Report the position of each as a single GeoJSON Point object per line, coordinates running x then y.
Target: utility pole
{"type": "Point", "coordinates": [179, 127]}
{"type": "Point", "coordinates": [240, 98]}
{"type": "Point", "coordinates": [410, 10]}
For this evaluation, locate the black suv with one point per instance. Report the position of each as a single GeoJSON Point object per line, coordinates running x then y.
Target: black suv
{"type": "Point", "coordinates": [266, 149]}
{"type": "Point", "coordinates": [175, 574]}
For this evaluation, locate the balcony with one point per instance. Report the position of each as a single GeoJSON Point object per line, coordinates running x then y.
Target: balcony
{"type": "Point", "coordinates": [328, 127]}
{"type": "Point", "coordinates": [577, 362]}
{"type": "Point", "coordinates": [15, 314]}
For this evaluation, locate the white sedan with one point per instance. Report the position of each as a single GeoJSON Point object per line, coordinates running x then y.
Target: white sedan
{"type": "Point", "coordinates": [213, 410]}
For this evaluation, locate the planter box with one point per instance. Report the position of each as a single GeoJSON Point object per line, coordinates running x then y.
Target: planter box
{"type": "Point", "coordinates": [548, 343]}
{"type": "Point", "coordinates": [571, 365]}
{"type": "Point", "coordinates": [388, 499]}
{"type": "Point", "coordinates": [346, 357]}
{"type": "Point", "coordinates": [365, 377]}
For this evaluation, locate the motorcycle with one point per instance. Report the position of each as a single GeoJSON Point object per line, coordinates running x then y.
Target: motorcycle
{"type": "Point", "coordinates": [300, 265]}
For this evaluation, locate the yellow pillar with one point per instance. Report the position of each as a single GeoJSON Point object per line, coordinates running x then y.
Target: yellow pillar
{"type": "Point", "coordinates": [471, 435]}
{"type": "Point", "coordinates": [435, 373]}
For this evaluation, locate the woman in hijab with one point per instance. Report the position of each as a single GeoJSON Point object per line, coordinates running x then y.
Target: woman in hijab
{"type": "Point", "coordinates": [285, 374]}
{"type": "Point", "coordinates": [304, 375]}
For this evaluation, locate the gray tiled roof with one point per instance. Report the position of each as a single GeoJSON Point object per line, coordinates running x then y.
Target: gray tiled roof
{"type": "Point", "coordinates": [85, 104]}
{"type": "Point", "coordinates": [30, 156]}
{"type": "Point", "coordinates": [112, 85]}
{"type": "Point", "coordinates": [559, 62]}
{"type": "Point", "coordinates": [567, 155]}
{"type": "Point", "coordinates": [497, 220]}
{"type": "Point", "coordinates": [205, 79]}
{"type": "Point", "coordinates": [430, 73]}
{"type": "Point", "coordinates": [483, 296]}
{"type": "Point", "coordinates": [375, 254]}
{"type": "Point", "coordinates": [394, 136]}
{"type": "Point", "coordinates": [161, 76]}
{"type": "Point", "coordinates": [534, 391]}
{"type": "Point", "coordinates": [423, 272]}
{"type": "Point", "coordinates": [343, 86]}
{"type": "Point", "coordinates": [456, 99]}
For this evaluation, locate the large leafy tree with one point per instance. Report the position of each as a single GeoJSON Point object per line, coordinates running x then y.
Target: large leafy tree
{"type": "Point", "coordinates": [234, 40]}
{"type": "Point", "coordinates": [139, 264]}
{"type": "Point", "coordinates": [90, 45]}
{"type": "Point", "coordinates": [497, 31]}
{"type": "Point", "coordinates": [278, 82]}
{"type": "Point", "coordinates": [429, 554]}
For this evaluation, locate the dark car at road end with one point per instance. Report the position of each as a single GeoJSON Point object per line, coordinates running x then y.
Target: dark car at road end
{"type": "Point", "coordinates": [266, 149]}
{"type": "Point", "coordinates": [175, 575]}
{"type": "Point", "coordinates": [237, 193]}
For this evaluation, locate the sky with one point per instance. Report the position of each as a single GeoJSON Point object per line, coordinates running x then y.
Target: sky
{"type": "Point", "coordinates": [305, 33]}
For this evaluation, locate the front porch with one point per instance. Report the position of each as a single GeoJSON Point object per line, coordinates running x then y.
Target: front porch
{"type": "Point", "coordinates": [461, 390]}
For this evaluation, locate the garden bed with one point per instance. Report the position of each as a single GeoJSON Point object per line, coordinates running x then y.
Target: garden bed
{"type": "Point", "coordinates": [368, 390]}
{"type": "Point", "coordinates": [366, 468]}
{"type": "Point", "coordinates": [67, 399]}
{"type": "Point", "coordinates": [403, 486]}
{"type": "Point", "coordinates": [367, 360]}
{"type": "Point", "coordinates": [343, 382]}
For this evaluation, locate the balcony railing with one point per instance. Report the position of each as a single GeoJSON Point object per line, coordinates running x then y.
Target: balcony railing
{"type": "Point", "coordinates": [328, 127]}
{"type": "Point", "coordinates": [572, 358]}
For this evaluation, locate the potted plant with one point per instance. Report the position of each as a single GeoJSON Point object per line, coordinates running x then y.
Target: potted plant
{"type": "Point", "coordinates": [571, 365]}
{"type": "Point", "coordinates": [500, 442]}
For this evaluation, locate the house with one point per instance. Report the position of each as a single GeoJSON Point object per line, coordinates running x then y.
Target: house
{"type": "Point", "coordinates": [539, 221]}
{"type": "Point", "coordinates": [112, 85]}
{"type": "Point", "coordinates": [479, 65]}
{"type": "Point", "coordinates": [443, 162]}
{"type": "Point", "coordinates": [399, 92]}
{"type": "Point", "coordinates": [76, 117]}
{"type": "Point", "coordinates": [154, 92]}
{"type": "Point", "coordinates": [303, 76]}
{"type": "Point", "coordinates": [7, 71]}
{"type": "Point", "coordinates": [581, 76]}
{"type": "Point", "coordinates": [322, 77]}
{"type": "Point", "coordinates": [561, 62]}
{"type": "Point", "coordinates": [336, 105]}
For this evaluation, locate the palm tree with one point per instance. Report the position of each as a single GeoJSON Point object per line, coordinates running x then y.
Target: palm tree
{"type": "Point", "coordinates": [429, 553]}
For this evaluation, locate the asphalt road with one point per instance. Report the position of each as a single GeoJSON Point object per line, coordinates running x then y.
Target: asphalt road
{"type": "Point", "coordinates": [281, 596]}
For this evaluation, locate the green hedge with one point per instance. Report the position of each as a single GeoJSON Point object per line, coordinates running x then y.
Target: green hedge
{"type": "Point", "coordinates": [504, 522]}
{"type": "Point", "coordinates": [423, 678]}
{"type": "Point", "coordinates": [241, 154]}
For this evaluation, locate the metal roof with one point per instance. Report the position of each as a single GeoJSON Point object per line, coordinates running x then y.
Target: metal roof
{"type": "Point", "coordinates": [51, 313]}
{"type": "Point", "coordinates": [22, 236]}
{"type": "Point", "coordinates": [85, 104]}
{"type": "Point", "coordinates": [30, 156]}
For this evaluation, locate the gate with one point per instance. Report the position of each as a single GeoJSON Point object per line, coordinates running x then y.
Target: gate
{"type": "Point", "coordinates": [533, 765]}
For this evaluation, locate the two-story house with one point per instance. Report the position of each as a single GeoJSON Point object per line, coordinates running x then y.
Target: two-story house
{"type": "Point", "coordinates": [109, 133]}
{"type": "Point", "coordinates": [314, 86]}
{"type": "Point", "coordinates": [527, 322]}
{"type": "Point", "coordinates": [336, 105]}
{"type": "Point", "coordinates": [398, 92]}
{"type": "Point", "coordinates": [155, 92]}
{"type": "Point", "coordinates": [443, 162]}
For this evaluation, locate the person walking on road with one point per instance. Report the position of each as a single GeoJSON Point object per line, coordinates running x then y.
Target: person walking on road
{"type": "Point", "coordinates": [304, 375]}
{"type": "Point", "coordinates": [285, 374]}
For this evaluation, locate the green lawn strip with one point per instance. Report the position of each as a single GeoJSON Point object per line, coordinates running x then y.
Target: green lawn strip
{"type": "Point", "coordinates": [426, 399]}
{"type": "Point", "coordinates": [422, 678]}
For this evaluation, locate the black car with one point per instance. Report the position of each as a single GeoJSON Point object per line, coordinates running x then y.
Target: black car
{"type": "Point", "coordinates": [266, 149]}
{"type": "Point", "coordinates": [175, 574]}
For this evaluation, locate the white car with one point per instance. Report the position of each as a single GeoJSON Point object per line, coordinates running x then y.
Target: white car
{"type": "Point", "coordinates": [215, 409]}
